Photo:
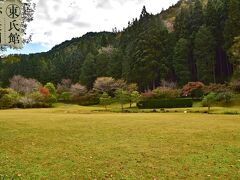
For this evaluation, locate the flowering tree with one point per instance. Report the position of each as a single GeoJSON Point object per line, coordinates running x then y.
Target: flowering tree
{"type": "Point", "coordinates": [108, 84]}
{"type": "Point", "coordinates": [191, 88]}
{"type": "Point", "coordinates": [23, 85]}
{"type": "Point", "coordinates": [64, 86]}
{"type": "Point", "coordinates": [78, 90]}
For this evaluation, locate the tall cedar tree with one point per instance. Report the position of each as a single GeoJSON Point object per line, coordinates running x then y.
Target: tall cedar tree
{"type": "Point", "coordinates": [88, 71]}
{"type": "Point", "coordinates": [215, 16]}
{"type": "Point", "coordinates": [232, 25]}
{"type": "Point", "coordinates": [196, 11]}
{"type": "Point", "coordinates": [180, 59]}
{"type": "Point", "coordinates": [204, 54]}
{"type": "Point", "coordinates": [235, 57]}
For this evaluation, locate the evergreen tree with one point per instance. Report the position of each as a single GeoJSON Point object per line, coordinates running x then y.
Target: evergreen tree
{"type": "Point", "coordinates": [232, 25]}
{"type": "Point", "coordinates": [180, 59]}
{"type": "Point", "coordinates": [182, 24]}
{"type": "Point", "coordinates": [149, 61]}
{"type": "Point", "coordinates": [235, 57]}
{"type": "Point", "coordinates": [122, 97]}
{"type": "Point", "coordinates": [144, 13]}
{"type": "Point", "coordinates": [104, 41]}
{"type": "Point", "coordinates": [186, 26]}
{"type": "Point", "coordinates": [73, 66]}
{"type": "Point", "coordinates": [105, 100]}
{"type": "Point", "coordinates": [115, 64]}
{"type": "Point", "coordinates": [88, 71]}
{"type": "Point", "coordinates": [204, 54]}
{"type": "Point", "coordinates": [102, 60]}
{"type": "Point", "coordinates": [196, 11]}
{"type": "Point", "coordinates": [215, 16]}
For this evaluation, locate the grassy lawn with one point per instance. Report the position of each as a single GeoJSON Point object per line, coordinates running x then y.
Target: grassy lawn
{"type": "Point", "coordinates": [72, 142]}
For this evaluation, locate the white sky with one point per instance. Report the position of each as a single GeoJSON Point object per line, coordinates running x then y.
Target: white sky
{"type": "Point", "coordinates": [58, 20]}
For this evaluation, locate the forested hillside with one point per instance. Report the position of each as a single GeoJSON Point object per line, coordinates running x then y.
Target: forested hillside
{"type": "Point", "coordinates": [193, 40]}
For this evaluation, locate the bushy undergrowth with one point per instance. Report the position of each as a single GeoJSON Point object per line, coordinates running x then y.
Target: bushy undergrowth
{"type": "Point", "coordinates": [29, 93]}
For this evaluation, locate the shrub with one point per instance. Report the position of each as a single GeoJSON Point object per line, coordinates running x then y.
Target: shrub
{"type": "Point", "coordinates": [51, 88]}
{"type": "Point", "coordinates": [51, 99]}
{"type": "Point", "coordinates": [65, 96]}
{"type": "Point", "coordinates": [235, 86]}
{"type": "Point", "coordinates": [197, 93]}
{"type": "Point", "coordinates": [191, 86]}
{"type": "Point", "coordinates": [216, 88]}
{"type": "Point", "coordinates": [9, 100]}
{"type": "Point", "coordinates": [34, 100]}
{"type": "Point", "coordinates": [44, 91]}
{"type": "Point", "coordinates": [231, 113]}
{"type": "Point", "coordinates": [147, 95]}
{"type": "Point", "coordinates": [4, 92]}
{"type": "Point", "coordinates": [165, 93]}
{"type": "Point", "coordinates": [37, 97]}
{"type": "Point", "coordinates": [27, 102]}
{"type": "Point", "coordinates": [87, 100]}
{"type": "Point", "coordinates": [225, 97]}
{"type": "Point", "coordinates": [171, 103]}
{"type": "Point", "coordinates": [41, 105]}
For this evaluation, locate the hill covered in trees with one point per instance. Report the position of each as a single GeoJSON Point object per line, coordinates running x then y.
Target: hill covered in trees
{"type": "Point", "coordinates": [193, 40]}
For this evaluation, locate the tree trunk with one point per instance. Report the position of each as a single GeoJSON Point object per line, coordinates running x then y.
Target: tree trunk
{"type": "Point", "coordinates": [214, 73]}
{"type": "Point", "coordinates": [148, 89]}
{"type": "Point", "coordinates": [221, 65]}
{"type": "Point", "coordinates": [154, 84]}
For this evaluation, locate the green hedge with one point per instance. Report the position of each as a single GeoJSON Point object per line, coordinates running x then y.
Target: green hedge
{"type": "Point", "coordinates": [88, 100]}
{"type": "Point", "coordinates": [166, 103]}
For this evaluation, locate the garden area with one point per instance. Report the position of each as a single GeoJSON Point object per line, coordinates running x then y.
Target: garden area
{"type": "Point", "coordinates": [110, 95]}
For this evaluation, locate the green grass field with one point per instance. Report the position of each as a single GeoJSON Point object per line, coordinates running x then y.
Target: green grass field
{"type": "Point", "coordinates": [73, 142]}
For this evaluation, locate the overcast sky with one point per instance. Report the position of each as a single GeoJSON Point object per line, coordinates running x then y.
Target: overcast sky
{"type": "Point", "coordinates": [58, 20]}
